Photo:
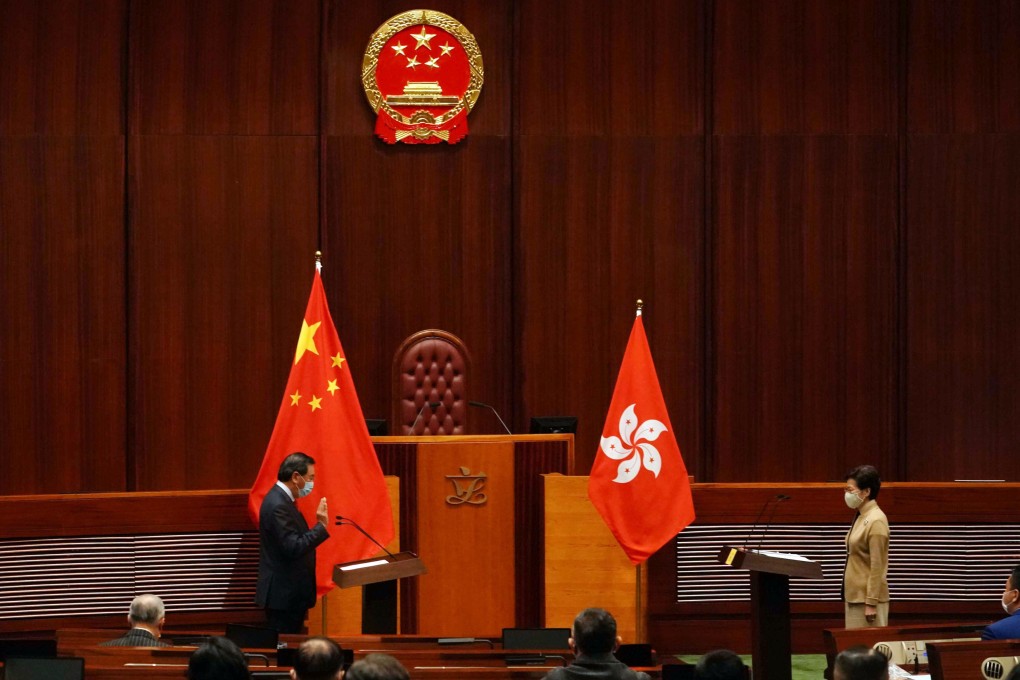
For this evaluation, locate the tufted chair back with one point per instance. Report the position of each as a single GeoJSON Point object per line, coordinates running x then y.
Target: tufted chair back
{"type": "Point", "coordinates": [430, 366]}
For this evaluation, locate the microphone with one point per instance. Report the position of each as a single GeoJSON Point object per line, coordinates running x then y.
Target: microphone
{"type": "Point", "coordinates": [494, 411]}
{"type": "Point", "coordinates": [779, 499]}
{"type": "Point", "coordinates": [347, 521]}
{"type": "Point", "coordinates": [429, 404]}
{"type": "Point", "coordinates": [761, 512]}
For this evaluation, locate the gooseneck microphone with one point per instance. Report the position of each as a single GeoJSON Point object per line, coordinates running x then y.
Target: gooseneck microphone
{"type": "Point", "coordinates": [494, 411]}
{"type": "Point", "coordinates": [779, 499]}
{"type": "Point", "coordinates": [428, 404]}
{"type": "Point", "coordinates": [769, 501]}
{"type": "Point", "coordinates": [347, 521]}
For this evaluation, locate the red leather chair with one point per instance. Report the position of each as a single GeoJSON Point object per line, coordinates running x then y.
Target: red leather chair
{"type": "Point", "coordinates": [429, 368]}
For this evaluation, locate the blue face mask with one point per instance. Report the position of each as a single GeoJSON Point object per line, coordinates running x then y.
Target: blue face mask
{"type": "Point", "coordinates": [306, 489]}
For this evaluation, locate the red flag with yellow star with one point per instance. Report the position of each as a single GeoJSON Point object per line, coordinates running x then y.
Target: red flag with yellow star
{"type": "Point", "coordinates": [320, 415]}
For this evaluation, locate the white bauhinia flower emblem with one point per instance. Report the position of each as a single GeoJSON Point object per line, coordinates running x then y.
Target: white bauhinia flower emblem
{"type": "Point", "coordinates": [634, 439]}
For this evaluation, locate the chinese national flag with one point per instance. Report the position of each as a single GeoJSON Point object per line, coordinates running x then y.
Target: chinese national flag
{"type": "Point", "coordinates": [638, 482]}
{"type": "Point", "coordinates": [320, 415]}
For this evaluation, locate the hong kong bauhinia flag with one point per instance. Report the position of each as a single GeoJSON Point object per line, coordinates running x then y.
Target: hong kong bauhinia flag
{"type": "Point", "coordinates": [638, 482]}
{"type": "Point", "coordinates": [320, 415]}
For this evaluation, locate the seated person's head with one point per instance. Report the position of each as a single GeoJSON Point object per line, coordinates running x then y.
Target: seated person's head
{"type": "Point", "coordinates": [721, 664]}
{"type": "Point", "coordinates": [594, 632]}
{"type": "Point", "coordinates": [1011, 593]}
{"type": "Point", "coordinates": [861, 663]}
{"type": "Point", "coordinates": [318, 658]}
{"type": "Point", "coordinates": [147, 611]}
{"type": "Point", "coordinates": [1014, 674]}
{"type": "Point", "coordinates": [377, 667]}
{"type": "Point", "coordinates": [218, 659]}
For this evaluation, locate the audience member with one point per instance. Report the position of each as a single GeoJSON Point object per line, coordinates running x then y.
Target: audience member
{"type": "Point", "coordinates": [593, 641]}
{"type": "Point", "coordinates": [1009, 627]}
{"type": "Point", "coordinates": [721, 664]}
{"type": "Point", "coordinates": [377, 667]}
{"type": "Point", "coordinates": [146, 617]}
{"type": "Point", "coordinates": [1014, 674]}
{"type": "Point", "coordinates": [218, 659]}
{"type": "Point", "coordinates": [861, 663]}
{"type": "Point", "coordinates": [318, 658]}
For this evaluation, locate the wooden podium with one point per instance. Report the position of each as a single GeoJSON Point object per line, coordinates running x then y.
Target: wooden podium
{"type": "Point", "coordinates": [770, 604]}
{"type": "Point", "coordinates": [379, 576]}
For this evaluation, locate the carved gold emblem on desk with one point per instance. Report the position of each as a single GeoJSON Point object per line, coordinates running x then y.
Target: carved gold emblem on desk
{"type": "Point", "coordinates": [468, 488]}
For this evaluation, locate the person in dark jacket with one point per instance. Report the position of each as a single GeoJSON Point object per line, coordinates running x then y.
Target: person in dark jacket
{"type": "Point", "coordinates": [146, 617]}
{"type": "Point", "coordinates": [593, 641]}
{"type": "Point", "coordinates": [286, 585]}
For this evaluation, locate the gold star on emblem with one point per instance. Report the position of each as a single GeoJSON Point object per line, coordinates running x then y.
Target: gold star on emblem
{"type": "Point", "coordinates": [433, 62]}
{"type": "Point", "coordinates": [446, 48]}
{"type": "Point", "coordinates": [332, 387]}
{"type": "Point", "coordinates": [295, 398]}
{"type": "Point", "coordinates": [412, 62]}
{"type": "Point", "coordinates": [423, 38]}
{"type": "Point", "coordinates": [315, 403]}
{"type": "Point", "coordinates": [306, 341]}
{"type": "Point", "coordinates": [338, 360]}
{"type": "Point", "coordinates": [399, 49]}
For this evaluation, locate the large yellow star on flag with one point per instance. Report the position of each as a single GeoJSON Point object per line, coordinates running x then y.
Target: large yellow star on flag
{"type": "Point", "coordinates": [315, 403]}
{"type": "Point", "coordinates": [338, 360]}
{"type": "Point", "coordinates": [306, 341]}
{"type": "Point", "coordinates": [333, 387]}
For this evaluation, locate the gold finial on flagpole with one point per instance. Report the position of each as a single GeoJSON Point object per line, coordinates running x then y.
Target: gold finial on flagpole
{"type": "Point", "coordinates": [318, 260]}
{"type": "Point", "coordinates": [640, 304]}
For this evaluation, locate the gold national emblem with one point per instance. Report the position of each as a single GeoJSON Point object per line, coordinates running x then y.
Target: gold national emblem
{"type": "Point", "coordinates": [422, 74]}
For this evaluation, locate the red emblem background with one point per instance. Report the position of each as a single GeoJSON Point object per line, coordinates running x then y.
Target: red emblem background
{"type": "Point", "coordinates": [422, 74]}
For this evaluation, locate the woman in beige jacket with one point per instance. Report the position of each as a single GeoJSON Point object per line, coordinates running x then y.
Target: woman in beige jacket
{"type": "Point", "coordinates": [865, 586]}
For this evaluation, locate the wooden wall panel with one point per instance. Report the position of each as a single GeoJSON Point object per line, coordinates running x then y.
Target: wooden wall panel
{"type": "Point", "coordinates": [805, 306]}
{"type": "Point", "coordinates": [224, 67]}
{"type": "Point", "coordinates": [609, 198]}
{"type": "Point", "coordinates": [604, 222]}
{"type": "Point", "coordinates": [61, 66]}
{"type": "Point", "coordinates": [963, 318]}
{"type": "Point", "coordinates": [62, 368]}
{"type": "Point", "coordinates": [602, 67]}
{"type": "Point", "coordinates": [805, 66]}
{"type": "Point", "coordinates": [964, 66]}
{"type": "Point", "coordinates": [221, 265]}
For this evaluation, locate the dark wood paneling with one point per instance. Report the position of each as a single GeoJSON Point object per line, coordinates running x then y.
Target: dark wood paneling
{"type": "Point", "coordinates": [349, 27]}
{"type": "Point", "coordinates": [221, 264]}
{"type": "Point", "coordinates": [420, 238]}
{"type": "Point", "coordinates": [61, 67]}
{"type": "Point", "coordinates": [610, 68]}
{"type": "Point", "coordinates": [805, 306]}
{"type": "Point", "coordinates": [805, 66]}
{"type": "Point", "coordinates": [963, 245]}
{"type": "Point", "coordinates": [62, 369]}
{"type": "Point", "coordinates": [603, 222]}
{"type": "Point", "coordinates": [224, 67]}
{"type": "Point", "coordinates": [964, 66]}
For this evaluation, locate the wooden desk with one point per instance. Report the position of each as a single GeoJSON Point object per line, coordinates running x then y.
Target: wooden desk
{"type": "Point", "coordinates": [962, 660]}
{"type": "Point", "coordinates": [838, 639]}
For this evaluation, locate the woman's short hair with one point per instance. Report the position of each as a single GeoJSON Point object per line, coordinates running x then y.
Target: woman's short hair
{"type": "Point", "coordinates": [866, 477]}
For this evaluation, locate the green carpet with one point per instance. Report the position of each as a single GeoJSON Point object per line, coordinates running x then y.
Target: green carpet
{"type": "Point", "coordinates": [805, 666]}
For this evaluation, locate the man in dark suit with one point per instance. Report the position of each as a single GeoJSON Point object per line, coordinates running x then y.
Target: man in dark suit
{"type": "Point", "coordinates": [593, 640]}
{"type": "Point", "coordinates": [146, 617]}
{"type": "Point", "coordinates": [286, 585]}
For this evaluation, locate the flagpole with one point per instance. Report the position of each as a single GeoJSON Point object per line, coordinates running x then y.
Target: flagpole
{"type": "Point", "coordinates": [639, 613]}
{"type": "Point", "coordinates": [318, 260]}
{"type": "Point", "coordinates": [640, 304]}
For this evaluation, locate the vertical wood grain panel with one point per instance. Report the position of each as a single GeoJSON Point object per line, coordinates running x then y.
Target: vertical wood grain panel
{"type": "Point", "coordinates": [61, 65]}
{"type": "Point", "coordinates": [964, 66]}
{"type": "Point", "coordinates": [963, 408]}
{"type": "Point", "coordinates": [609, 203]}
{"type": "Point", "coordinates": [225, 67]}
{"type": "Point", "coordinates": [805, 304]}
{"type": "Point", "coordinates": [221, 252]}
{"type": "Point", "coordinates": [62, 368]}
{"type": "Point", "coordinates": [805, 66]}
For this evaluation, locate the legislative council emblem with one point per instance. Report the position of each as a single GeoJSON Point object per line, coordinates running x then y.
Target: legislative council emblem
{"type": "Point", "coordinates": [422, 74]}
